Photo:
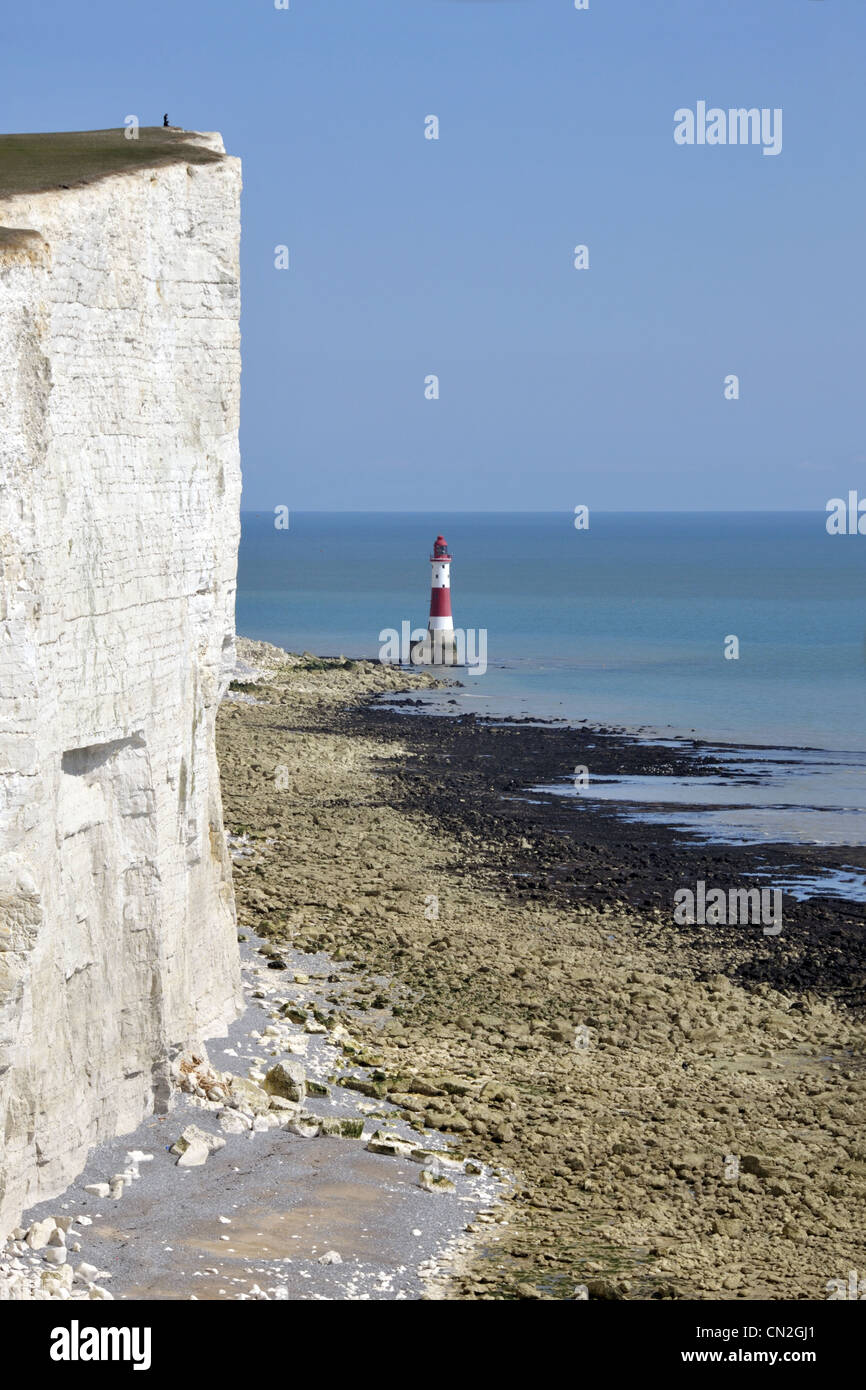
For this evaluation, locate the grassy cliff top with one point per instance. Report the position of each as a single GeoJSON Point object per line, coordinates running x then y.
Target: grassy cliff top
{"type": "Point", "coordinates": [69, 158]}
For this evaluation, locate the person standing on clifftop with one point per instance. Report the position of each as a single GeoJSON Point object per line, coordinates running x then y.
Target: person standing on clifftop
{"type": "Point", "coordinates": [165, 119]}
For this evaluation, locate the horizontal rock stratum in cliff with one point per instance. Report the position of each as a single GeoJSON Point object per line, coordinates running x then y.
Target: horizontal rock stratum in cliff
{"type": "Point", "coordinates": [119, 524]}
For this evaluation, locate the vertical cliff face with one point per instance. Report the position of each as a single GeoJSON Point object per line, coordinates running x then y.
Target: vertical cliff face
{"type": "Point", "coordinates": [119, 522]}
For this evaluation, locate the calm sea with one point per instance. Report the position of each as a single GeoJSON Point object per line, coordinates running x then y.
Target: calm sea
{"type": "Point", "coordinates": [624, 623]}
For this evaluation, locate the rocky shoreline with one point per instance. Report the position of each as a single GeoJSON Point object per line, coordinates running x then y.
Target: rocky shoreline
{"type": "Point", "coordinates": [522, 1080]}
{"type": "Point", "coordinates": [679, 1106]}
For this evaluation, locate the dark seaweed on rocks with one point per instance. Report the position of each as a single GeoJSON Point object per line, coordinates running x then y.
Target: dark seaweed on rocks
{"type": "Point", "coordinates": [548, 849]}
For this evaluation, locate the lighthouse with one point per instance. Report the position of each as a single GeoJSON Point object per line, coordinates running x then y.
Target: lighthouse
{"type": "Point", "coordinates": [441, 624]}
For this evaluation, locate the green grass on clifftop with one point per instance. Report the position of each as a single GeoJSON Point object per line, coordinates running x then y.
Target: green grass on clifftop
{"type": "Point", "coordinates": [69, 158]}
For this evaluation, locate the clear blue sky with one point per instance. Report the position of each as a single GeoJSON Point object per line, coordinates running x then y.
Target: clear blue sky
{"type": "Point", "coordinates": [454, 257]}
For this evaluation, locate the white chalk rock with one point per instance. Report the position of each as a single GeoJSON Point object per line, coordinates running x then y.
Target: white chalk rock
{"type": "Point", "coordinates": [232, 1122]}
{"type": "Point", "coordinates": [194, 1155]}
{"type": "Point", "coordinates": [193, 1135]}
{"type": "Point", "coordinates": [287, 1080]}
{"type": "Point", "coordinates": [304, 1128]}
{"type": "Point", "coordinates": [41, 1232]}
{"type": "Point", "coordinates": [119, 522]}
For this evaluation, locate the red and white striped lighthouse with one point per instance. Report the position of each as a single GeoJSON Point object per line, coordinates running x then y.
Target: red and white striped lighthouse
{"type": "Point", "coordinates": [441, 623]}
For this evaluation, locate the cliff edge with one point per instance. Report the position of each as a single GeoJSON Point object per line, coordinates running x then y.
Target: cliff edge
{"type": "Point", "coordinates": [119, 526]}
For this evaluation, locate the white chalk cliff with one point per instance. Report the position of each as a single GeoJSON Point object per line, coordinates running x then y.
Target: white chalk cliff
{"type": "Point", "coordinates": [119, 525]}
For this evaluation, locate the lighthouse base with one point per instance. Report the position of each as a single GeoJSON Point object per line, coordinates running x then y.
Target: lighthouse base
{"type": "Point", "coordinates": [438, 648]}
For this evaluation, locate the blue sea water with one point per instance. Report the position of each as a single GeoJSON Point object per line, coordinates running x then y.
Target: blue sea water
{"type": "Point", "coordinates": [624, 623]}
